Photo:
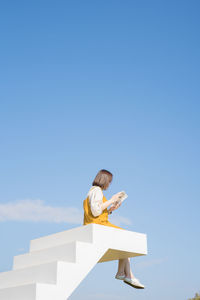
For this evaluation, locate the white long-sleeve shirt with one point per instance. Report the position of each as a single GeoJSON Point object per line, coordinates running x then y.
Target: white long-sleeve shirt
{"type": "Point", "coordinates": [95, 195]}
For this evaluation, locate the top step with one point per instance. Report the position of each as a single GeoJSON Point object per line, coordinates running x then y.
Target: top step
{"type": "Point", "coordinates": [109, 237]}
{"type": "Point", "coordinates": [82, 234]}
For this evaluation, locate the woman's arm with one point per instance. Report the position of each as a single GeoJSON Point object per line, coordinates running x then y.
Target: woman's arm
{"type": "Point", "coordinates": [96, 201]}
{"type": "Point", "coordinates": [109, 202]}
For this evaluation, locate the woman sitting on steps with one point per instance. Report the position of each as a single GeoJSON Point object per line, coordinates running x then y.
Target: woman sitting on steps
{"type": "Point", "coordinates": [95, 211]}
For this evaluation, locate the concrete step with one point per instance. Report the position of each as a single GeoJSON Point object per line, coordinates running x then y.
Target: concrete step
{"type": "Point", "coordinates": [82, 234]}
{"type": "Point", "coordinates": [44, 273]}
{"type": "Point", "coordinates": [31, 291]}
{"type": "Point", "coordinates": [70, 252]}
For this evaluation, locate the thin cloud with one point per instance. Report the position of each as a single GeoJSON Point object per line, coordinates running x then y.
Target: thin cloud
{"type": "Point", "coordinates": [37, 211]}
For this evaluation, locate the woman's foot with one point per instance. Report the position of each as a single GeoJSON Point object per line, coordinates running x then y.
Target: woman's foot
{"type": "Point", "coordinates": [134, 282]}
{"type": "Point", "coordinates": [120, 276]}
{"type": "Point", "coordinates": [129, 275]}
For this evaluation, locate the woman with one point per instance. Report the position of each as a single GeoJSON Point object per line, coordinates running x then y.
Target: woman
{"type": "Point", "coordinates": [96, 211]}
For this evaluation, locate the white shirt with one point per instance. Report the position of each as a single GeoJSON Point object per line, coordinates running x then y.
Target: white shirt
{"type": "Point", "coordinates": [95, 195]}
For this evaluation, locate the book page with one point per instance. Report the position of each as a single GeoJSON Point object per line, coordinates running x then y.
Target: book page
{"type": "Point", "coordinates": [122, 196]}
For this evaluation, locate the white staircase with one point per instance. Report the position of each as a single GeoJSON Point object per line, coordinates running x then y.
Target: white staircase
{"type": "Point", "coordinates": [57, 263]}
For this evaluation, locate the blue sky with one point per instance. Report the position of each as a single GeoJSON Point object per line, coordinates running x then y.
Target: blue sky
{"type": "Point", "coordinates": [86, 85]}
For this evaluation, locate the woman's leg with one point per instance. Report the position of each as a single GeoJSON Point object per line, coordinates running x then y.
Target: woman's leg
{"type": "Point", "coordinates": [124, 268]}
{"type": "Point", "coordinates": [127, 269]}
{"type": "Point", "coordinates": [121, 267]}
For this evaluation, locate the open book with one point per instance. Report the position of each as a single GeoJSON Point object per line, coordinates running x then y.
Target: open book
{"type": "Point", "coordinates": [121, 197]}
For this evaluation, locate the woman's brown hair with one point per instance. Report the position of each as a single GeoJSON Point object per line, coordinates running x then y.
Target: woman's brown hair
{"type": "Point", "coordinates": [103, 179]}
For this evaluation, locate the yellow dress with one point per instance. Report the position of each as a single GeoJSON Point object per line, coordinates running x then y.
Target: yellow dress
{"type": "Point", "coordinates": [102, 219]}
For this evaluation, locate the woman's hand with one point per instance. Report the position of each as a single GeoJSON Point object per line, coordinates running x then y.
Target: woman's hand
{"type": "Point", "coordinates": [115, 198]}
{"type": "Point", "coordinates": [114, 206]}
{"type": "Point", "coordinates": [117, 205]}
{"type": "Point", "coordinates": [113, 201]}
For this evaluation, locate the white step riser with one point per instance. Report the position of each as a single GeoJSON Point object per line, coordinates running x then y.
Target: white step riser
{"type": "Point", "coordinates": [65, 252]}
{"type": "Point", "coordinates": [26, 292]}
{"type": "Point", "coordinates": [32, 292]}
{"type": "Point", "coordinates": [74, 252]}
{"type": "Point", "coordinates": [82, 234]}
{"type": "Point", "coordinates": [45, 273]}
